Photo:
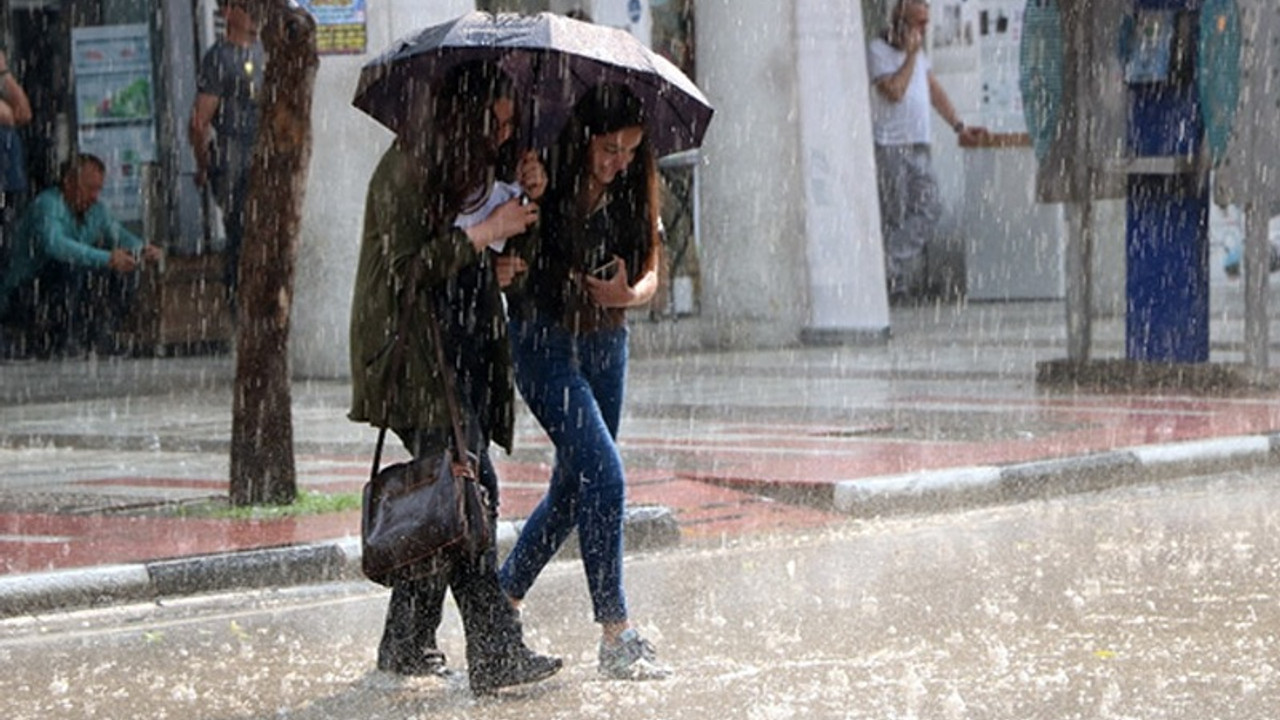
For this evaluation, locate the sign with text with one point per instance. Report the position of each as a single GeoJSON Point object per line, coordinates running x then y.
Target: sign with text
{"type": "Point", "coordinates": [340, 25]}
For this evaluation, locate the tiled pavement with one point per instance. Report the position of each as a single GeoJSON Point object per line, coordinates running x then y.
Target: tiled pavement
{"type": "Point", "coordinates": [729, 441]}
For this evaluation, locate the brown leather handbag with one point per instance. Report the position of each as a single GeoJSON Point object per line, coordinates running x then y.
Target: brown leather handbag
{"type": "Point", "coordinates": [414, 512]}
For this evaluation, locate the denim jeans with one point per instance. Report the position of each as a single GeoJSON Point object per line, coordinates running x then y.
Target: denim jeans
{"type": "Point", "coordinates": [574, 385]}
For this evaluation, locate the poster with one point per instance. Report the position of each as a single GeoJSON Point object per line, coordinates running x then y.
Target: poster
{"type": "Point", "coordinates": [340, 25]}
{"type": "Point", "coordinates": [999, 40]}
{"type": "Point", "coordinates": [115, 109]}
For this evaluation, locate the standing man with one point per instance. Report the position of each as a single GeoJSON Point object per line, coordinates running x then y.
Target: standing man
{"type": "Point", "coordinates": [904, 90]}
{"type": "Point", "coordinates": [227, 101]}
{"type": "Point", "coordinates": [71, 278]}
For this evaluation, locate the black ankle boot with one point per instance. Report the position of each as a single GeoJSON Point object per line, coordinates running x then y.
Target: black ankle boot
{"type": "Point", "coordinates": [519, 666]}
{"type": "Point", "coordinates": [429, 662]}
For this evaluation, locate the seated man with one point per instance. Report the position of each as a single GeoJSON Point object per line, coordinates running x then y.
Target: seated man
{"type": "Point", "coordinates": [70, 276]}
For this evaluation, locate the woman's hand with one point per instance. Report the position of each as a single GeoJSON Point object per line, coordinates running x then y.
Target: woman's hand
{"type": "Point", "coordinates": [532, 175]}
{"type": "Point", "coordinates": [507, 267]}
{"type": "Point", "coordinates": [508, 219]}
{"type": "Point", "coordinates": [616, 292]}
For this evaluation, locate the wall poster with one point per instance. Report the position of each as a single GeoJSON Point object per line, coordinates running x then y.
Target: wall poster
{"type": "Point", "coordinates": [115, 108]}
{"type": "Point", "coordinates": [340, 25]}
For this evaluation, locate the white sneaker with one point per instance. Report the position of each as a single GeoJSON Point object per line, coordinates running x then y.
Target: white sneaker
{"type": "Point", "coordinates": [631, 658]}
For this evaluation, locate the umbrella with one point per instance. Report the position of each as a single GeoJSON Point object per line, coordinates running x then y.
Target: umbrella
{"type": "Point", "coordinates": [553, 60]}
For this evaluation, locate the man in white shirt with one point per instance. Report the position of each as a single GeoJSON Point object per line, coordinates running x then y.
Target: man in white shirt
{"type": "Point", "coordinates": [904, 90]}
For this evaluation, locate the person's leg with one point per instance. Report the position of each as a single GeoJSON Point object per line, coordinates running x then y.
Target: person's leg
{"type": "Point", "coordinates": [496, 653]}
{"type": "Point", "coordinates": [108, 300]}
{"type": "Point", "coordinates": [408, 645]}
{"type": "Point", "coordinates": [544, 366]}
{"type": "Point", "coordinates": [21, 321]}
{"type": "Point", "coordinates": [586, 488]}
{"type": "Point", "coordinates": [891, 187]}
{"type": "Point", "coordinates": [922, 209]}
{"type": "Point", "coordinates": [603, 499]}
{"type": "Point", "coordinates": [542, 535]}
{"type": "Point", "coordinates": [234, 207]}
{"type": "Point", "coordinates": [623, 654]}
{"type": "Point", "coordinates": [58, 305]}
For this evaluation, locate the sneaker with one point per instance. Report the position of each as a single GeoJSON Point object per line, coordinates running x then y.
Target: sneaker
{"type": "Point", "coordinates": [520, 667]}
{"type": "Point", "coordinates": [632, 658]}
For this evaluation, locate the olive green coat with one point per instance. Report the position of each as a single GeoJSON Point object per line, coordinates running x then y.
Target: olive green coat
{"type": "Point", "coordinates": [397, 232]}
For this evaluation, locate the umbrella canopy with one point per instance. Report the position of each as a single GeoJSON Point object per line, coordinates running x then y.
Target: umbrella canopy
{"type": "Point", "coordinates": [553, 61]}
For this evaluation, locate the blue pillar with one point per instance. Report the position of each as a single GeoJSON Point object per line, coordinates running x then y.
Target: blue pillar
{"type": "Point", "coordinates": [1167, 283]}
{"type": "Point", "coordinates": [1167, 233]}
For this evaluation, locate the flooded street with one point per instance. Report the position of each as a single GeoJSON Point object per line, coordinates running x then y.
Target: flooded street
{"type": "Point", "coordinates": [1155, 602]}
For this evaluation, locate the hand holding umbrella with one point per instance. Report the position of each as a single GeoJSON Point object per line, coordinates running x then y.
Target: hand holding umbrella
{"type": "Point", "coordinates": [532, 175]}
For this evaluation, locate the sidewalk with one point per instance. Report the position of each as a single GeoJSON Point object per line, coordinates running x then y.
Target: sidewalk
{"type": "Point", "coordinates": [947, 414]}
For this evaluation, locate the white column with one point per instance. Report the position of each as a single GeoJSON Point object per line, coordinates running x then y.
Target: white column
{"type": "Point", "coordinates": [347, 145]}
{"type": "Point", "coordinates": [1247, 176]}
{"type": "Point", "coordinates": [842, 212]}
{"type": "Point", "coordinates": [753, 250]}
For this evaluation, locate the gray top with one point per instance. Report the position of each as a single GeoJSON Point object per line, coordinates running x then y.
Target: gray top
{"type": "Point", "coordinates": [234, 74]}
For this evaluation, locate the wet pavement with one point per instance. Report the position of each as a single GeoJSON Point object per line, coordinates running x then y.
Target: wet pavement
{"type": "Point", "coordinates": [1153, 602]}
{"type": "Point", "coordinates": [733, 443]}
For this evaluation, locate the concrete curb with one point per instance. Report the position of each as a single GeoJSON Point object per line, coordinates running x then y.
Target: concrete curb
{"type": "Point", "coordinates": [647, 528]}
{"type": "Point", "coordinates": [935, 490]}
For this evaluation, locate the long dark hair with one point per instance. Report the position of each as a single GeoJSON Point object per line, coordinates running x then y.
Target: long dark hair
{"type": "Point", "coordinates": [451, 141]}
{"type": "Point", "coordinates": [634, 192]}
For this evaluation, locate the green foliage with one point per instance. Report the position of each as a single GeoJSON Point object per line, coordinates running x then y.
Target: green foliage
{"type": "Point", "coordinates": [308, 503]}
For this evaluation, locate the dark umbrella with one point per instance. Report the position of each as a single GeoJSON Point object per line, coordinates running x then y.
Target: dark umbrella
{"type": "Point", "coordinates": [553, 60]}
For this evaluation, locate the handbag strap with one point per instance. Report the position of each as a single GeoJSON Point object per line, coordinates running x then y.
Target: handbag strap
{"type": "Point", "coordinates": [397, 364]}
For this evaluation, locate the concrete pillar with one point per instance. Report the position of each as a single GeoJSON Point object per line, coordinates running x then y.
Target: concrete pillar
{"type": "Point", "coordinates": [347, 146]}
{"type": "Point", "coordinates": [846, 280]}
{"type": "Point", "coordinates": [753, 252]}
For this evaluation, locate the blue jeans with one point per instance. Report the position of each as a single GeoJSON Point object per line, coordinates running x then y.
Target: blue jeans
{"type": "Point", "coordinates": [574, 385]}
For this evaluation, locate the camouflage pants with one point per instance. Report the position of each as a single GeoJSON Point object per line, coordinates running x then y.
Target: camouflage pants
{"type": "Point", "coordinates": [910, 207]}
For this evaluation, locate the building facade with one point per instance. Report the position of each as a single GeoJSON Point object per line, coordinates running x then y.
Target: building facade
{"type": "Point", "coordinates": [774, 223]}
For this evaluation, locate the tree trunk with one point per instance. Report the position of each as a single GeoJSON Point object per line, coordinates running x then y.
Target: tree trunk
{"type": "Point", "coordinates": [262, 463]}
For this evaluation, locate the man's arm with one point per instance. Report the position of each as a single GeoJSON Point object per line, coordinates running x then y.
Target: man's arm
{"type": "Point", "coordinates": [941, 103]}
{"type": "Point", "coordinates": [122, 243]}
{"type": "Point", "coordinates": [894, 86]}
{"type": "Point", "coordinates": [13, 95]}
{"type": "Point", "coordinates": [969, 135]}
{"type": "Point", "coordinates": [202, 112]}
{"type": "Point", "coordinates": [51, 233]}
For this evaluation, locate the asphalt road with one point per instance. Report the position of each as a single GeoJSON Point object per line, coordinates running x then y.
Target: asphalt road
{"type": "Point", "coordinates": [1143, 602]}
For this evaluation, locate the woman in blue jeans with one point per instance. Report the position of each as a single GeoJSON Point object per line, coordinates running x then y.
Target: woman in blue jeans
{"type": "Point", "coordinates": [597, 255]}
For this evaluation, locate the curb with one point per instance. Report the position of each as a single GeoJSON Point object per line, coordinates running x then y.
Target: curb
{"type": "Point", "coordinates": [935, 490]}
{"type": "Point", "coordinates": [647, 528]}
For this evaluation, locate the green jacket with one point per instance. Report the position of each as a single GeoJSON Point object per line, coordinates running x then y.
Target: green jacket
{"type": "Point", "coordinates": [398, 232]}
